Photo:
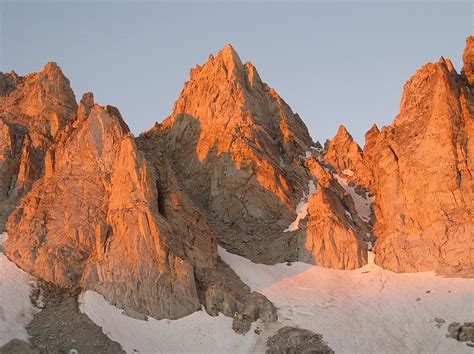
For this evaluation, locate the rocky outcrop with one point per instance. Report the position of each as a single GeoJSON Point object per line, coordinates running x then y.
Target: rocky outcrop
{"type": "Point", "coordinates": [292, 340]}
{"type": "Point", "coordinates": [240, 152]}
{"type": "Point", "coordinates": [33, 109]}
{"type": "Point", "coordinates": [93, 220]}
{"type": "Point", "coordinates": [346, 158]}
{"type": "Point", "coordinates": [468, 60]}
{"type": "Point", "coordinates": [333, 235]}
{"type": "Point", "coordinates": [221, 290]}
{"type": "Point", "coordinates": [462, 332]}
{"type": "Point", "coordinates": [420, 171]}
{"type": "Point", "coordinates": [235, 146]}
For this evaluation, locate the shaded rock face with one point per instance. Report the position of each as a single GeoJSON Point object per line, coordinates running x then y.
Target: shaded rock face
{"type": "Point", "coordinates": [93, 221]}
{"type": "Point", "coordinates": [462, 332]}
{"type": "Point", "coordinates": [32, 110]}
{"type": "Point", "coordinates": [297, 340]}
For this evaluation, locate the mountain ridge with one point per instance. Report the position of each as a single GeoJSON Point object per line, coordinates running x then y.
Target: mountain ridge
{"type": "Point", "coordinates": [138, 219]}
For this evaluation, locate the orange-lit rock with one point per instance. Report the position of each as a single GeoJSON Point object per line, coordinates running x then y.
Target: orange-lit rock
{"type": "Point", "coordinates": [334, 235]}
{"type": "Point", "coordinates": [331, 237]}
{"type": "Point", "coordinates": [345, 156]}
{"type": "Point", "coordinates": [235, 146]}
{"type": "Point", "coordinates": [33, 109]}
{"type": "Point", "coordinates": [94, 221]}
{"type": "Point", "coordinates": [422, 166]}
{"type": "Point", "coordinates": [468, 60]}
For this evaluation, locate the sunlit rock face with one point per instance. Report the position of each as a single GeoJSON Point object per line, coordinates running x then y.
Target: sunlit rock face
{"type": "Point", "coordinates": [93, 220]}
{"type": "Point", "coordinates": [468, 60]}
{"type": "Point", "coordinates": [240, 152]}
{"type": "Point", "coordinates": [236, 146]}
{"type": "Point", "coordinates": [420, 170]}
{"type": "Point", "coordinates": [345, 156]}
{"type": "Point", "coordinates": [33, 109]}
{"type": "Point", "coordinates": [422, 166]}
{"type": "Point", "coordinates": [334, 235]}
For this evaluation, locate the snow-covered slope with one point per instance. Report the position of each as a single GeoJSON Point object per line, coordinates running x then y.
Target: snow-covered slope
{"type": "Point", "coordinates": [16, 310]}
{"type": "Point", "coordinates": [362, 205]}
{"type": "Point", "coordinates": [196, 333]}
{"type": "Point", "coordinates": [368, 310]}
{"type": "Point", "coordinates": [302, 208]}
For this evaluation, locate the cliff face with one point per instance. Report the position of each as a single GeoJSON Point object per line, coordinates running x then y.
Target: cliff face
{"type": "Point", "coordinates": [32, 110]}
{"type": "Point", "coordinates": [335, 235]}
{"type": "Point", "coordinates": [422, 166]}
{"type": "Point", "coordinates": [93, 220]}
{"type": "Point", "coordinates": [239, 151]}
{"type": "Point", "coordinates": [235, 144]}
{"type": "Point", "coordinates": [468, 60]}
{"type": "Point", "coordinates": [420, 170]}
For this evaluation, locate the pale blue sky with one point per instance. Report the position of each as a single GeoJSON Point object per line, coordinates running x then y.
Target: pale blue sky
{"type": "Point", "coordinates": [333, 62]}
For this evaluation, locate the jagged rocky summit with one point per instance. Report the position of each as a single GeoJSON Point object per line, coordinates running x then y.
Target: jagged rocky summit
{"type": "Point", "coordinates": [241, 153]}
{"type": "Point", "coordinates": [420, 171]}
{"type": "Point", "coordinates": [88, 205]}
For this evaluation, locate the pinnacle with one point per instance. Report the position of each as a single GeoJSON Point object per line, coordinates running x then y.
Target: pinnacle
{"type": "Point", "coordinates": [229, 55]}
{"type": "Point", "coordinates": [342, 132]}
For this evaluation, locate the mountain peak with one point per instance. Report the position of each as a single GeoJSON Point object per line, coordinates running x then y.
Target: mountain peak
{"type": "Point", "coordinates": [52, 69]}
{"type": "Point", "coordinates": [342, 133]}
{"type": "Point", "coordinates": [231, 60]}
{"type": "Point", "coordinates": [228, 49]}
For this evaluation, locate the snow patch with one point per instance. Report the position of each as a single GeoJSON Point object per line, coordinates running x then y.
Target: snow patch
{"type": "Point", "coordinates": [307, 155]}
{"type": "Point", "coordinates": [3, 237]}
{"type": "Point", "coordinates": [367, 310]}
{"type": "Point", "coordinates": [348, 172]}
{"type": "Point", "coordinates": [362, 205]}
{"type": "Point", "coordinates": [198, 332]}
{"type": "Point", "coordinates": [16, 310]}
{"type": "Point", "coordinates": [348, 214]}
{"type": "Point", "coordinates": [302, 207]}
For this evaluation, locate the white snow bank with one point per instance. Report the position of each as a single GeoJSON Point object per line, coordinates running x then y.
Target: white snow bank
{"type": "Point", "coordinates": [16, 310]}
{"type": "Point", "coordinates": [196, 333]}
{"type": "Point", "coordinates": [302, 208]}
{"type": "Point", "coordinates": [368, 310]}
{"type": "Point", "coordinates": [362, 205]}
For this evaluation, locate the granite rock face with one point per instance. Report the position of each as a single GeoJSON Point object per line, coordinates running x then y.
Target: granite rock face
{"type": "Point", "coordinates": [239, 151]}
{"type": "Point", "coordinates": [334, 235]}
{"type": "Point", "coordinates": [93, 220]}
{"type": "Point", "coordinates": [33, 109]}
{"type": "Point", "coordinates": [468, 60]}
{"type": "Point", "coordinates": [420, 170]}
{"type": "Point", "coordinates": [346, 157]}
{"type": "Point", "coordinates": [422, 166]}
{"type": "Point", "coordinates": [235, 144]}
